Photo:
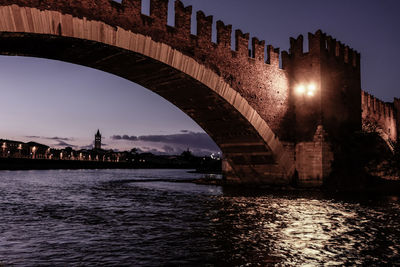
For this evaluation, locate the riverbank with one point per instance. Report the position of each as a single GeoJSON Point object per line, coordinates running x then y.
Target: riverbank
{"type": "Point", "coordinates": [45, 164]}
{"type": "Point", "coordinates": [373, 185]}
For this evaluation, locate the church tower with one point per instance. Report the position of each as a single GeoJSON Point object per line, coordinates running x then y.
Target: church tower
{"type": "Point", "coordinates": [97, 140]}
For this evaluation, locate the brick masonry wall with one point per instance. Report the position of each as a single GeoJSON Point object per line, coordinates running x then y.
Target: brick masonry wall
{"type": "Point", "coordinates": [384, 116]}
{"type": "Point", "coordinates": [396, 105]}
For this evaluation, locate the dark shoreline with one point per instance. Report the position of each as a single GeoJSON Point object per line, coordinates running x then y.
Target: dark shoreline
{"type": "Point", "coordinates": [375, 185]}
{"type": "Point", "coordinates": [14, 164]}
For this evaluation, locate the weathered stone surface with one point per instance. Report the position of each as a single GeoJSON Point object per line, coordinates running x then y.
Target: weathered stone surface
{"type": "Point", "coordinates": [381, 116]}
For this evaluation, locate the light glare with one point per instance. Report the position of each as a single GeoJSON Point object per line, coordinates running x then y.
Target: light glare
{"type": "Point", "coordinates": [300, 89]}
{"type": "Point", "coordinates": [311, 87]}
{"type": "Point", "coordinates": [308, 89]}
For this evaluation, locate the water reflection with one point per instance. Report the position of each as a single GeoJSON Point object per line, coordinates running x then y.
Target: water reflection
{"type": "Point", "coordinates": [121, 217]}
{"type": "Point", "coordinates": [293, 230]}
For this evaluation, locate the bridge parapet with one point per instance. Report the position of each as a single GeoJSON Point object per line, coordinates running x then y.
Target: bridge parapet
{"type": "Point", "coordinates": [380, 115]}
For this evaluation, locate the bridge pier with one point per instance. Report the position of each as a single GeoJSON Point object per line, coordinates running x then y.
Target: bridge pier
{"type": "Point", "coordinates": [312, 161]}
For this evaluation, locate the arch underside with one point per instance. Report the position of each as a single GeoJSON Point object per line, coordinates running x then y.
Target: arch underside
{"type": "Point", "coordinates": [248, 156]}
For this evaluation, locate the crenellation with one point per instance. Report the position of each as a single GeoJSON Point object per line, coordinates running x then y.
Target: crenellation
{"type": "Point", "coordinates": [242, 43]}
{"type": "Point", "coordinates": [373, 103]}
{"type": "Point", "coordinates": [316, 42]}
{"type": "Point", "coordinates": [334, 48]}
{"type": "Point", "coordinates": [380, 114]}
{"type": "Point", "coordinates": [387, 110]}
{"type": "Point", "coordinates": [353, 57]}
{"type": "Point", "coordinates": [340, 51]}
{"type": "Point", "coordinates": [357, 61]}
{"type": "Point", "coordinates": [183, 17]}
{"type": "Point", "coordinates": [285, 59]}
{"type": "Point", "coordinates": [369, 101]}
{"type": "Point", "coordinates": [204, 29]}
{"type": "Point", "coordinates": [159, 12]}
{"type": "Point", "coordinates": [364, 99]}
{"type": "Point", "coordinates": [224, 34]}
{"type": "Point", "coordinates": [396, 115]}
{"type": "Point", "coordinates": [296, 46]}
{"type": "Point", "coordinates": [273, 56]}
{"type": "Point", "coordinates": [331, 45]}
{"type": "Point", "coordinates": [346, 54]}
{"type": "Point", "coordinates": [258, 49]}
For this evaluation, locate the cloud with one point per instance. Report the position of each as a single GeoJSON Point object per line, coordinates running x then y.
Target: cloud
{"type": "Point", "coordinates": [50, 138]}
{"type": "Point", "coordinates": [124, 137]}
{"type": "Point", "coordinates": [59, 138]}
{"type": "Point", "coordinates": [189, 139]}
{"type": "Point", "coordinates": [61, 142]}
{"type": "Point", "coordinates": [33, 136]}
{"type": "Point", "coordinates": [88, 147]}
{"type": "Point", "coordinates": [64, 144]}
{"type": "Point", "coordinates": [198, 143]}
{"type": "Point", "coordinates": [168, 149]}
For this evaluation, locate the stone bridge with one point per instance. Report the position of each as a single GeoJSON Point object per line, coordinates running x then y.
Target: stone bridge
{"type": "Point", "coordinates": [272, 121]}
{"type": "Point", "coordinates": [382, 117]}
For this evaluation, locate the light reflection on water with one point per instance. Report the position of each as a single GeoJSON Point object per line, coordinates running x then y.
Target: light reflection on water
{"type": "Point", "coordinates": [137, 217]}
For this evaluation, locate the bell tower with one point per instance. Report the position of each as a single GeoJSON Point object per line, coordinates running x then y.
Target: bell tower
{"type": "Point", "coordinates": [97, 140]}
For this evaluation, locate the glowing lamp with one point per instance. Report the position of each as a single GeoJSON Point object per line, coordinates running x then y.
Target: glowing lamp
{"type": "Point", "coordinates": [311, 87]}
{"type": "Point", "coordinates": [308, 89]}
{"type": "Point", "coordinates": [300, 89]}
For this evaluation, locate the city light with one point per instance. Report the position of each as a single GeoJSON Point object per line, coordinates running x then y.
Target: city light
{"type": "Point", "coordinates": [311, 87]}
{"type": "Point", "coordinates": [300, 89]}
{"type": "Point", "coordinates": [308, 89]}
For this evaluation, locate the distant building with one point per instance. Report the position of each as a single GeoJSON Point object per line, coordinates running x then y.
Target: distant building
{"type": "Point", "coordinates": [16, 149]}
{"type": "Point", "coordinates": [97, 140]}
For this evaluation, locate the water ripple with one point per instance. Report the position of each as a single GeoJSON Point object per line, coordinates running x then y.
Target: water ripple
{"type": "Point", "coordinates": [141, 218]}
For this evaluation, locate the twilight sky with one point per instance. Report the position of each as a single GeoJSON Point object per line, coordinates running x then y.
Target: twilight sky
{"type": "Point", "coordinates": [61, 104]}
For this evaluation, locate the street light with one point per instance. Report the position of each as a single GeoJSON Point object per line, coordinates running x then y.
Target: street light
{"type": "Point", "coordinates": [4, 146]}
{"type": "Point", "coordinates": [34, 152]}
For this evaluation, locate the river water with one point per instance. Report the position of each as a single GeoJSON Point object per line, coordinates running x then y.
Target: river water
{"type": "Point", "coordinates": [141, 218]}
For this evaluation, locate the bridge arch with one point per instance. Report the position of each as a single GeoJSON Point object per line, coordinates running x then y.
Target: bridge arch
{"type": "Point", "coordinates": [253, 152]}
